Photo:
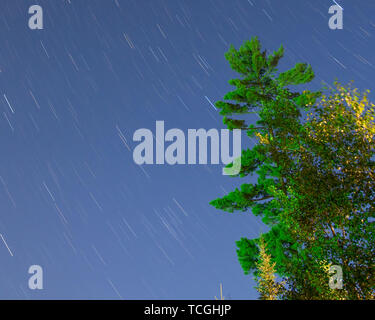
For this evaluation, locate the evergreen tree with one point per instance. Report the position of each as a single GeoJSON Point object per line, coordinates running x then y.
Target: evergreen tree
{"type": "Point", "coordinates": [315, 178]}
{"type": "Point", "coordinates": [268, 287]}
{"type": "Point", "coordinates": [263, 90]}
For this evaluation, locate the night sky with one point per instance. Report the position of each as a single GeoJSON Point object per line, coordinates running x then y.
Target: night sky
{"type": "Point", "coordinates": [73, 201]}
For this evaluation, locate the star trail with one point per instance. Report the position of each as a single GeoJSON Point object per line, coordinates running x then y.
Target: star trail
{"type": "Point", "coordinates": [73, 201]}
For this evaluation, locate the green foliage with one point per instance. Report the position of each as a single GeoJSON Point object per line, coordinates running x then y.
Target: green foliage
{"type": "Point", "coordinates": [263, 90]}
{"type": "Point", "coordinates": [333, 192]}
{"type": "Point", "coordinates": [315, 178]}
{"type": "Point", "coordinates": [268, 287]}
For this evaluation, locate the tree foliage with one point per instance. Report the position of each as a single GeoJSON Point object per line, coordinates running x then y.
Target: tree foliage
{"type": "Point", "coordinates": [268, 287]}
{"type": "Point", "coordinates": [315, 176]}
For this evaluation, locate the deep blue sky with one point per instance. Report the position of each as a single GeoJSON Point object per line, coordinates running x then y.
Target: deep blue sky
{"type": "Point", "coordinates": [71, 198]}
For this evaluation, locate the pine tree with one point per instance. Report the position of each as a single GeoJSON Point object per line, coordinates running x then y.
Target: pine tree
{"type": "Point", "coordinates": [315, 186]}
{"type": "Point", "coordinates": [263, 90]}
{"type": "Point", "coordinates": [268, 287]}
